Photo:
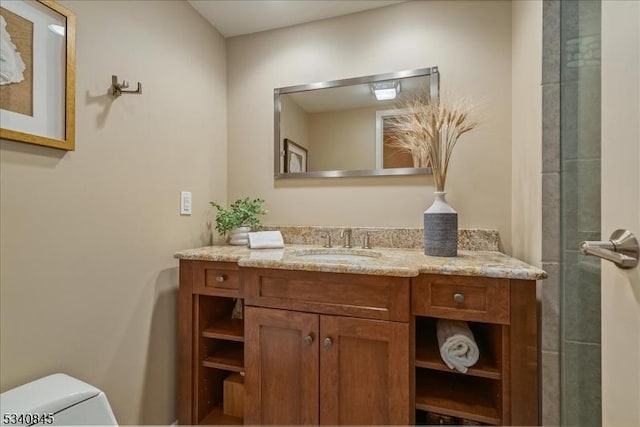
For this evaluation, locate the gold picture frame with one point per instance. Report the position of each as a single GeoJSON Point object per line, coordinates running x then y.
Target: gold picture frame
{"type": "Point", "coordinates": [42, 34]}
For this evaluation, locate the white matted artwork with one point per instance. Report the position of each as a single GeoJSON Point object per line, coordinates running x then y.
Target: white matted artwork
{"type": "Point", "coordinates": [37, 79]}
{"type": "Point", "coordinates": [295, 157]}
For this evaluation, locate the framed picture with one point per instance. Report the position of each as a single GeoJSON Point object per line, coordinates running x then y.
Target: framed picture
{"type": "Point", "coordinates": [295, 157]}
{"type": "Point", "coordinates": [37, 82]}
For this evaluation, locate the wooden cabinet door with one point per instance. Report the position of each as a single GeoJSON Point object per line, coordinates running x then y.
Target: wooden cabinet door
{"type": "Point", "coordinates": [364, 371]}
{"type": "Point", "coordinates": [281, 365]}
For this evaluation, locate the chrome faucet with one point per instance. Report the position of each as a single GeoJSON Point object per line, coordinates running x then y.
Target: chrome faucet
{"type": "Point", "coordinates": [326, 235]}
{"type": "Point", "coordinates": [366, 240]}
{"type": "Point", "coordinates": [345, 235]}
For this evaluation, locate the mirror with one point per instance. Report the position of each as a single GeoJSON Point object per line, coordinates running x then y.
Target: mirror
{"type": "Point", "coordinates": [340, 128]}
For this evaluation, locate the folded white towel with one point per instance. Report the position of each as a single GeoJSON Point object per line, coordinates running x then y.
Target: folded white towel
{"type": "Point", "coordinates": [266, 240]}
{"type": "Point", "coordinates": [458, 347]}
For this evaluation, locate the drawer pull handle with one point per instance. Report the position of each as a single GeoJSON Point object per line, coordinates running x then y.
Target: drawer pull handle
{"type": "Point", "coordinates": [459, 298]}
{"type": "Point", "coordinates": [221, 278]}
{"type": "Point", "coordinates": [327, 342]}
{"type": "Point", "coordinates": [308, 340]}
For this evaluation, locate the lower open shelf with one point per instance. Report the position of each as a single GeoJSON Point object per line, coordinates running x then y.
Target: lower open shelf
{"type": "Point", "coordinates": [227, 355]}
{"type": "Point", "coordinates": [225, 329]}
{"type": "Point", "coordinates": [220, 400]}
{"type": "Point", "coordinates": [488, 339]}
{"type": "Point", "coordinates": [426, 418]}
{"type": "Point", "coordinates": [218, 417]}
{"type": "Point", "coordinates": [461, 396]}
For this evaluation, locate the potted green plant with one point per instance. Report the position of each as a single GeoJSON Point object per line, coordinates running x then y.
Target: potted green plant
{"type": "Point", "coordinates": [239, 219]}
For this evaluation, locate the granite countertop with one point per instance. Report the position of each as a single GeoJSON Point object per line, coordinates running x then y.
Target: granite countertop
{"type": "Point", "coordinates": [402, 262]}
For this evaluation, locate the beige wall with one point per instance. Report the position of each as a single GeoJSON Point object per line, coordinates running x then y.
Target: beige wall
{"type": "Point", "coordinates": [293, 123]}
{"type": "Point", "coordinates": [88, 282]}
{"type": "Point", "coordinates": [527, 130]}
{"type": "Point", "coordinates": [620, 209]}
{"type": "Point", "coordinates": [470, 41]}
{"type": "Point", "coordinates": [342, 140]}
{"type": "Point", "coordinates": [526, 210]}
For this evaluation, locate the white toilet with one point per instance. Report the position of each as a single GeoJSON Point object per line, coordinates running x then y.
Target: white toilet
{"type": "Point", "coordinates": [68, 400]}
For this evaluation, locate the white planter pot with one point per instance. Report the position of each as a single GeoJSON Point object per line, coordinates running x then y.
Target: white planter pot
{"type": "Point", "coordinates": [239, 236]}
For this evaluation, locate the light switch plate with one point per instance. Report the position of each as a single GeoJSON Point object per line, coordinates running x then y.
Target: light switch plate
{"type": "Point", "coordinates": [185, 203]}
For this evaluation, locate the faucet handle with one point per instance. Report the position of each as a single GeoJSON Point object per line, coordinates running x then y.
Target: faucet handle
{"type": "Point", "coordinates": [327, 238]}
{"type": "Point", "coordinates": [366, 240]}
{"type": "Point", "coordinates": [345, 235]}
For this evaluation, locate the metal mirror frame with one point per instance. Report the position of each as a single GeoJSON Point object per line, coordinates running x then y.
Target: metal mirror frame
{"type": "Point", "coordinates": [434, 90]}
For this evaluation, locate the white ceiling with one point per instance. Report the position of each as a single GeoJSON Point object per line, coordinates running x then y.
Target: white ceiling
{"type": "Point", "coordinates": [237, 17]}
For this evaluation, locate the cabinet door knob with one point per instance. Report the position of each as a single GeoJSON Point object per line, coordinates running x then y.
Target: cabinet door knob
{"type": "Point", "coordinates": [221, 278]}
{"type": "Point", "coordinates": [459, 298]}
{"type": "Point", "coordinates": [308, 339]}
{"type": "Point", "coordinates": [327, 342]}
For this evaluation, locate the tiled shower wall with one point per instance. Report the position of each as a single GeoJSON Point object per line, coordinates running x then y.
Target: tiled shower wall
{"type": "Point", "coordinates": [551, 212]}
{"type": "Point", "coordinates": [571, 212]}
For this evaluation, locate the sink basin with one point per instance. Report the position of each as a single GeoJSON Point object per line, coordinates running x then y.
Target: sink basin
{"type": "Point", "coordinates": [336, 255]}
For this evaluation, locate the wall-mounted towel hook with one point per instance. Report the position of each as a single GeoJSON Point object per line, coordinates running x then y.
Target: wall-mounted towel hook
{"type": "Point", "coordinates": [117, 88]}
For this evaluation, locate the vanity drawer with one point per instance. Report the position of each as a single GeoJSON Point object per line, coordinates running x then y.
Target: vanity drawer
{"type": "Point", "coordinates": [355, 295]}
{"type": "Point", "coordinates": [462, 298]}
{"type": "Point", "coordinates": [217, 278]}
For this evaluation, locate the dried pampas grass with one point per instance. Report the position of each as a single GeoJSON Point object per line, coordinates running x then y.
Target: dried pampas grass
{"type": "Point", "coordinates": [429, 131]}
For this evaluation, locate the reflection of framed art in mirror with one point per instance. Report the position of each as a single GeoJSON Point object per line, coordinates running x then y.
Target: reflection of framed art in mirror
{"type": "Point", "coordinates": [296, 157]}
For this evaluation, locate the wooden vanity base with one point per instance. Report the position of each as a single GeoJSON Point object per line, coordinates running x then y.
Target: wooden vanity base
{"type": "Point", "coordinates": [332, 348]}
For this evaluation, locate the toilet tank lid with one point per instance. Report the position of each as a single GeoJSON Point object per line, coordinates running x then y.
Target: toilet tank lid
{"type": "Point", "coordinates": [50, 394]}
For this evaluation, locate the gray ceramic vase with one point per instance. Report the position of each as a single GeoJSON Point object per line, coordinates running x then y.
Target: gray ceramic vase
{"type": "Point", "coordinates": [440, 228]}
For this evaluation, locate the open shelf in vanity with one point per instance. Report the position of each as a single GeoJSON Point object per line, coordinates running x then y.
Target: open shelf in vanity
{"type": "Point", "coordinates": [446, 395]}
{"type": "Point", "coordinates": [225, 329]}
{"type": "Point", "coordinates": [488, 338]}
{"type": "Point", "coordinates": [501, 315]}
{"type": "Point", "coordinates": [465, 397]}
{"type": "Point", "coordinates": [217, 347]}
{"type": "Point", "coordinates": [220, 345]}
{"type": "Point", "coordinates": [226, 356]}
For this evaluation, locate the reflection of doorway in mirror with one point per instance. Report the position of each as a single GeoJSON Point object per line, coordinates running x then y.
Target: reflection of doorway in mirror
{"type": "Point", "coordinates": [388, 156]}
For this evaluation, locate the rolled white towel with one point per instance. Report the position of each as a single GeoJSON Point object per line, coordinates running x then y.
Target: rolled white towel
{"type": "Point", "coordinates": [266, 240]}
{"type": "Point", "coordinates": [458, 347]}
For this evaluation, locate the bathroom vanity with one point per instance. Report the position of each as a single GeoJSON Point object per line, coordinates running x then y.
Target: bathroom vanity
{"type": "Point", "coordinates": [331, 338]}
